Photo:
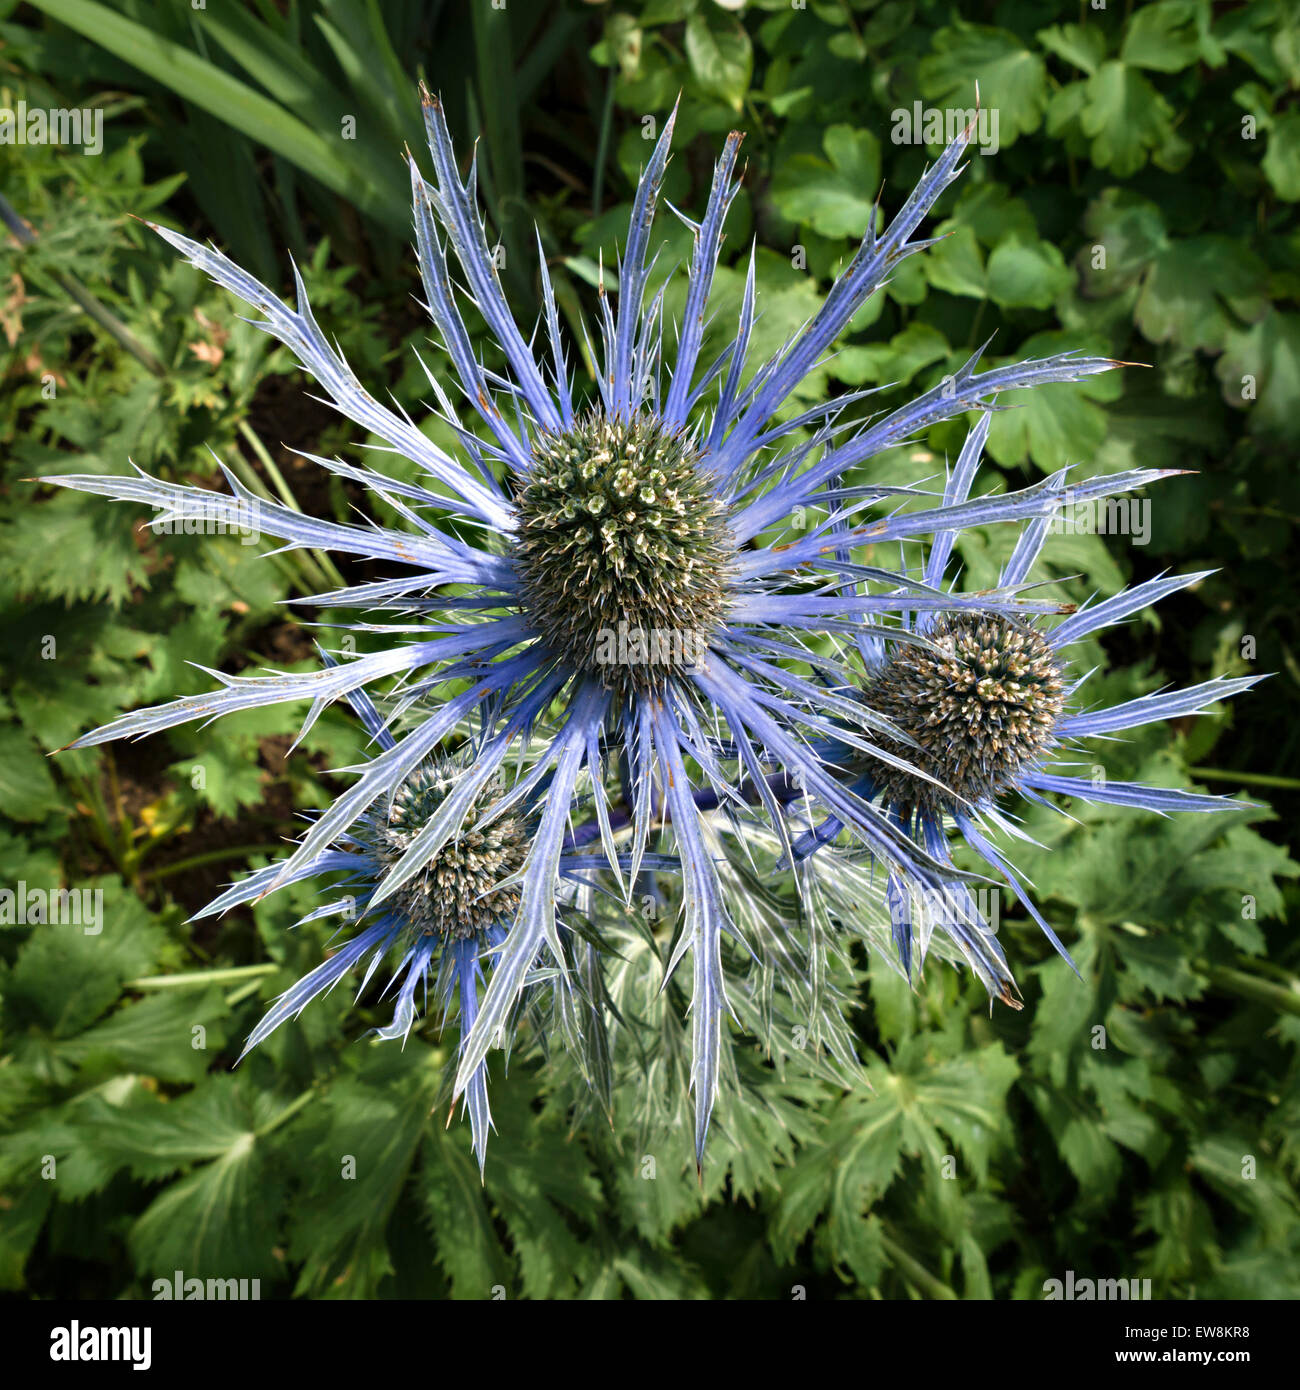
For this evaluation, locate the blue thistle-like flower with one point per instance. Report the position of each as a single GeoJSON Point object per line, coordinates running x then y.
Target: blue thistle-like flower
{"type": "Point", "coordinates": [990, 701]}
{"type": "Point", "coordinates": [447, 922]}
{"type": "Point", "coordinates": [639, 515]}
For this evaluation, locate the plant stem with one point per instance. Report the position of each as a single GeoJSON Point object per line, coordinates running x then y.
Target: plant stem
{"type": "Point", "coordinates": [26, 235]}
{"type": "Point", "coordinates": [298, 566]}
{"type": "Point", "coordinates": [201, 979]}
{"type": "Point", "coordinates": [1249, 779]}
{"type": "Point", "coordinates": [602, 146]}
{"type": "Point", "coordinates": [212, 856]}
{"type": "Point", "coordinates": [288, 1112]}
{"type": "Point", "coordinates": [911, 1268]}
{"type": "Point", "coordinates": [1238, 982]}
{"type": "Point", "coordinates": [327, 565]}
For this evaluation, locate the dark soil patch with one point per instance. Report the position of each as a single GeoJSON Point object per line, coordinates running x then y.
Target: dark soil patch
{"type": "Point", "coordinates": [282, 644]}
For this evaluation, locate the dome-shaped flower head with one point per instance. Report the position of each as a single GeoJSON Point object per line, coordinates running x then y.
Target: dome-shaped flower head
{"type": "Point", "coordinates": [624, 571]}
{"type": "Point", "coordinates": [991, 702]}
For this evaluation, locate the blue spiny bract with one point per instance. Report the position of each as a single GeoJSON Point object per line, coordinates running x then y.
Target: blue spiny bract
{"type": "Point", "coordinates": [446, 925]}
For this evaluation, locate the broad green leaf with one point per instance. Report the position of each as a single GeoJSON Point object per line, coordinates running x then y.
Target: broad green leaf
{"type": "Point", "coordinates": [154, 1137]}
{"type": "Point", "coordinates": [918, 1108]}
{"type": "Point", "coordinates": [371, 189]}
{"type": "Point", "coordinates": [173, 1036]}
{"type": "Point", "coordinates": [1199, 290]}
{"type": "Point", "coordinates": [1183, 1226]}
{"type": "Point", "coordinates": [27, 790]}
{"type": "Point", "coordinates": [1125, 118]}
{"type": "Point", "coordinates": [356, 1147]}
{"type": "Point", "coordinates": [1093, 1159]}
{"type": "Point", "coordinates": [1162, 36]}
{"type": "Point", "coordinates": [1281, 162]}
{"type": "Point", "coordinates": [994, 215]}
{"type": "Point", "coordinates": [897, 362]}
{"type": "Point", "coordinates": [650, 1274]}
{"type": "Point", "coordinates": [1066, 1015]}
{"type": "Point", "coordinates": [544, 1189]}
{"type": "Point", "coordinates": [1027, 275]}
{"type": "Point", "coordinates": [1130, 230]}
{"type": "Point", "coordinates": [721, 56]}
{"type": "Point", "coordinates": [1012, 79]}
{"type": "Point", "coordinates": [24, 1217]}
{"type": "Point", "coordinates": [1159, 967]}
{"type": "Point", "coordinates": [1234, 1164]}
{"type": "Point", "coordinates": [66, 976]}
{"type": "Point", "coordinates": [459, 1222]}
{"type": "Point", "coordinates": [1083, 45]}
{"type": "Point", "coordinates": [1260, 372]}
{"type": "Point", "coordinates": [27, 860]}
{"type": "Point", "coordinates": [836, 195]}
{"type": "Point", "coordinates": [955, 265]}
{"type": "Point", "coordinates": [221, 1220]}
{"type": "Point", "coordinates": [35, 555]}
{"type": "Point", "coordinates": [1245, 863]}
{"type": "Point", "coordinates": [1055, 426]}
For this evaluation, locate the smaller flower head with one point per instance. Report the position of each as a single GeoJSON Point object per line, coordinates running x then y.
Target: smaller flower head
{"type": "Point", "coordinates": [991, 702]}
{"type": "Point", "coordinates": [449, 921]}
{"type": "Point", "coordinates": [467, 887]}
{"type": "Point", "coordinates": [981, 703]}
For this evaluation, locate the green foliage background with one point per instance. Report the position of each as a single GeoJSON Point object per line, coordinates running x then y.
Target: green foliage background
{"type": "Point", "coordinates": [994, 1151]}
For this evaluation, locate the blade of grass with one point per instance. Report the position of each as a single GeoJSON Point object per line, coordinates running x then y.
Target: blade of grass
{"type": "Point", "coordinates": [602, 146]}
{"type": "Point", "coordinates": [238, 105]}
{"type": "Point", "coordinates": [543, 52]}
{"type": "Point", "coordinates": [499, 112]}
{"type": "Point", "coordinates": [322, 558]}
{"type": "Point", "coordinates": [371, 47]}
{"type": "Point", "coordinates": [285, 71]}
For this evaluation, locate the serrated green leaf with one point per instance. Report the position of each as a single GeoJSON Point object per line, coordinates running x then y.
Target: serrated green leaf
{"type": "Point", "coordinates": [1162, 36]}
{"type": "Point", "coordinates": [222, 1219]}
{"type": "Point", "coordinates": [1125, 118]}
{"type": "Point", "coordinates": [171, 1036]}
{"type": "Point", "coordinates": [65, 977]}
{"type": "Point", "coordinates": [459, 1221]}
{"type": "Point", "coordinates": [358, 1144]}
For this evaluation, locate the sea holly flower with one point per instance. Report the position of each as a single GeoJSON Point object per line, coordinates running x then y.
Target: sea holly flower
{"type": "Point", "coordinates": [991, 704]}
{"type": "Point", "coordinates": [445, 923]}
{"type": "Point", "coordinates": [621, 584]}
